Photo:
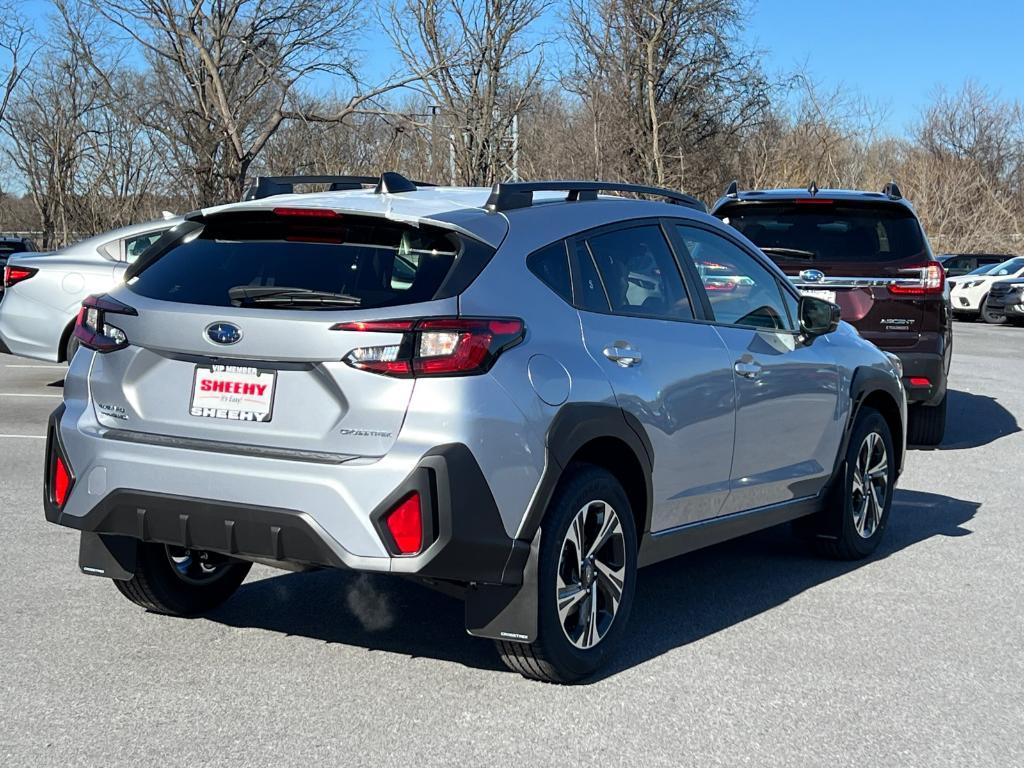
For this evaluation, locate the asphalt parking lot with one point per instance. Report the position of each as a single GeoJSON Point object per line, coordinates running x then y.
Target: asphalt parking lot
{"type": "Point", "coordinates": [750, 653]}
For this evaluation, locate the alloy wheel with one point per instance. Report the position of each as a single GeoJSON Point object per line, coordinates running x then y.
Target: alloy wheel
{"type": "Point", "coordinates": [870, 485]}
{"type": "Point", "coordinates": [194, 566]}
{"type": "Point", "coordinates": [591, 574]}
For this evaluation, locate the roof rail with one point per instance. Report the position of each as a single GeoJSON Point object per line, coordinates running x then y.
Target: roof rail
{"type": "Point", "coordinates": [733, 190]}
{"type": "Point", "coordinates": [508, 195]}
{"type": "Point", "coordinates": [892, 191]}
{"type": "Point", "coordinates": [387, 182]}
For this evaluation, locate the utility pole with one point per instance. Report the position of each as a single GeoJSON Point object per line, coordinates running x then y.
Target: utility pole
{"type": "Point", "coordinates": [435, 143]}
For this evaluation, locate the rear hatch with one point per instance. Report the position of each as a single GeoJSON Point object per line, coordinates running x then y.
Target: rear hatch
{"type": "Point", "coordinates": [871, 258]}
{"type": "Point", "coordinates": [233, 337]}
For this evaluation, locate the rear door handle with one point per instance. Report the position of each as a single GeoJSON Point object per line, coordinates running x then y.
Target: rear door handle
{"type": "Point", "coordinates": [747, 369]}
{"type": "Point", "coordinates": [622, 353]}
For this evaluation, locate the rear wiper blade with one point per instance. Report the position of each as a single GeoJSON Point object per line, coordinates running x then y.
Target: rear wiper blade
{"type": "Point", "coordinates": [242, 295]}
{"type": "Point", "coordinates": [795, 252]}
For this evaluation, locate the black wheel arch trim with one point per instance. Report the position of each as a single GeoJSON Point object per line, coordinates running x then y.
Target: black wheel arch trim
{"type": "Point", "coordinates": [574, 426]}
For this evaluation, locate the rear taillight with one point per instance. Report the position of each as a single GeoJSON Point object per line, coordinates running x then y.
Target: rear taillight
{"type": "Point", "coordinates": [437, 346]}
{"type": "Point", "coordinates": [931, 279]}
{"type": "Point", "coordinates": [92, 328]}
{"type": "Point", "coordinates": [14, 274]}
{"type": "Point", "coordinates": [405, 524]}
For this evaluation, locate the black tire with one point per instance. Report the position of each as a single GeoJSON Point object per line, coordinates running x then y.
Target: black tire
{"type": "Point", "coordinates": [553, 657]}
{"type": "Point", "coordinates": [70, 347]}
{"type": "Point", "coordinates": [159, 587]}
{"type": "Point", "coordinates": [851, 543]}
{"type": "Point", "coordinates": [989, 317]}
{"type": "Point", "coordinates": [926, 424]}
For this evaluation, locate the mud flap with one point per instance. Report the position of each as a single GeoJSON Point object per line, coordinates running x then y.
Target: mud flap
{"type": "Point", "coordinates": [101, 554]}
{"type": "Point", "coordinates": [506, 612]}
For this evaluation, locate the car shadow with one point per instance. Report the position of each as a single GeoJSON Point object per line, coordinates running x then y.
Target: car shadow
{"type": "Point", "coordinates": [677, 601]}
{"type": "Point", "coordinates": [974, 420]}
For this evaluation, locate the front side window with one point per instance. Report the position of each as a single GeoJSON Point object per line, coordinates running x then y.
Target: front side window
{"type": "Point", "coordinates": [639, 273]}
{"type": "Point", "coordinates": [741, 290]}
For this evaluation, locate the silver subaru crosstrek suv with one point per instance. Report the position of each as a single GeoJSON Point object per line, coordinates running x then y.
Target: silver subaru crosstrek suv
{"type": "Point", "coordinates": [518, 394]}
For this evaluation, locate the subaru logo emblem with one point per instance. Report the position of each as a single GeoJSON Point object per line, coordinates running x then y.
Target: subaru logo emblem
{"type": "Point", "coordinates": [812, 275]}
{"type": "Point", "coordinates": [223, 333]}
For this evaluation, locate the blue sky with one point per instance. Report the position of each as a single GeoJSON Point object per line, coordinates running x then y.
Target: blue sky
{"type": "Point", "coordinates": [896, 52]}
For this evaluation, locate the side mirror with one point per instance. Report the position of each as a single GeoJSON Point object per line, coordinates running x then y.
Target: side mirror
{"type": "Point", "coordinates": [817, 316]}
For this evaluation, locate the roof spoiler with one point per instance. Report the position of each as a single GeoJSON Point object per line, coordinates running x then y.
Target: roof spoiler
{"type": "Point", "coordinates": [388, 182]}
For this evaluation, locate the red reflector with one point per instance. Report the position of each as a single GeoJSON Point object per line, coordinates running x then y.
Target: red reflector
{"type": "Point", "coordinates": [316, 213]}
{"type": "Point", "coordinates": [406, 525]}
{"type": "Point", "coordinates": [61, 481]}
{"type": "Point", "coordinates": [920, 381]}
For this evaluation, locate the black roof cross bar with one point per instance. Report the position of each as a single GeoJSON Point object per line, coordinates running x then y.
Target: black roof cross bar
{"type": "Point", "coordinates": [508, 195]}
{"type": "Point", "coordinates": [267, 186]}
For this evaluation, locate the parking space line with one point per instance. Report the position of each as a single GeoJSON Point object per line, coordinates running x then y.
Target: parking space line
{"type": "Point", "coordinates": [47, 367]}
{"type": "Point", "coordinates": [27, 394]}
{"type": "Point", "coordinates": [25, 437]}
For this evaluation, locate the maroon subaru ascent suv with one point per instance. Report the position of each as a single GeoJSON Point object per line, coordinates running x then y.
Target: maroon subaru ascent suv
{"type": "Point", "coordinates": [866, 252]}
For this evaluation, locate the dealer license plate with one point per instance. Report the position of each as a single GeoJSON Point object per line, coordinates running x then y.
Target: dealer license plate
{"type": "Point", "coordinates": [826, 295]}
{"type": "Point", "coordinates": [232, 392]}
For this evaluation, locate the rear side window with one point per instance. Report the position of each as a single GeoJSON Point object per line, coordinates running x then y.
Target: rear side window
{"type": "Point", "coordinates": [639, 273]}
{"type": "Point", "coordinates": [303, 262]}
{"type": "Point", "coordinates": [134, 246]}
{"type": "Point", "coordinates": [831, 232]}
{"type": "Point", "coordinates": [551, 265]}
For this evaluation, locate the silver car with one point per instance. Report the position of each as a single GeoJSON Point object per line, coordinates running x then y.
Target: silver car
{"type": "Point", "coordinates": [464, 387]}
{"type": "Point", "coordinates": [43, 292]}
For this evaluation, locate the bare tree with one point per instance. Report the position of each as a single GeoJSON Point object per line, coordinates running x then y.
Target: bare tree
{"type": "Point", "coordinates": [669, 81]}
{"type": "Point", "coordinates": [226, 74]}
{"type": "Point", "coordinates": [479, 62]}
{"type": "Point", "coordinates": [16, 50]}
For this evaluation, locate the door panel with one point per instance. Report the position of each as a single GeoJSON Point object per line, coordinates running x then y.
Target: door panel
{"type": "Point", "coordinates": [674, 376]}
{"type": "Point", "coordinates": [788, 423]}
{"type": "Point", "coordinates": [682, 392]}
{"type": "Point", "coordinates": [787, 419]}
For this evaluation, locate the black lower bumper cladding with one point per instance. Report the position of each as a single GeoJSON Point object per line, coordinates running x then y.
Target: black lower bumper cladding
{"type": "Point", "coordinates": [465, 539]}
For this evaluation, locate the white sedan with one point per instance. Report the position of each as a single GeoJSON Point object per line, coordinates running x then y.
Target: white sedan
{"type": "Point", "coordinates": [969, 293]}
{"type": "Point", "coordinates": [43, 292]}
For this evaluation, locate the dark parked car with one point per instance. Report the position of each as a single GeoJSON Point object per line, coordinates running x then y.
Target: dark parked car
{"type": "Point", "coordinates": [10, 245]}
{"type": "Point", "coordinates": [957, 264]}
{"type": "Point", "coordinates": [867, 252]}
{"type": "Point", "coordinates": [1006, 300]}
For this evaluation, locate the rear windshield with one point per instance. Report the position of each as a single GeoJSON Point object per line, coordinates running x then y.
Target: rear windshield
{"type": "Point", "coordinates": [6, 249]}
{"type": "Point", "coordinates": [830, 232]}
{"type": "Point", "coordinates": [301, 262]}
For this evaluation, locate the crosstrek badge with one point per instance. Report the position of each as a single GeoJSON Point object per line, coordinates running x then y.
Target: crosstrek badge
{"type": "Point", "coordinates": [232, 392]}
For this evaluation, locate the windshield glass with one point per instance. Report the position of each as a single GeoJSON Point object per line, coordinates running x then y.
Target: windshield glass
{"type": "Point", "coordinates": [1008, 267]}
{"type": "Point", "coordinates": [301, 262]}
{"type": "Point", "coordinates": [826, 231]}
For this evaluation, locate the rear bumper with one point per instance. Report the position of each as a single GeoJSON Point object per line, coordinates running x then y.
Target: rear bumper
{"type": "Point", "coordinates": [465, 539]}
{"type": "Point", "coordinates": [920, 365]}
